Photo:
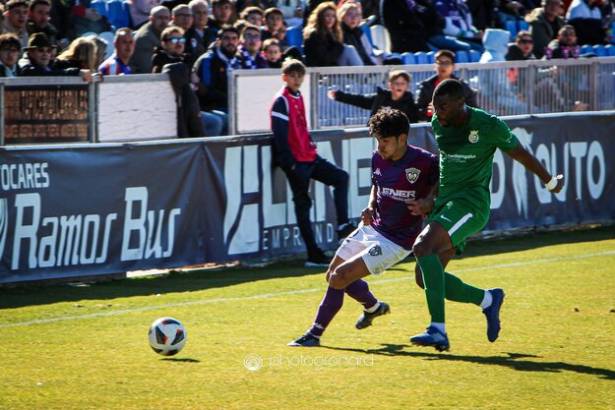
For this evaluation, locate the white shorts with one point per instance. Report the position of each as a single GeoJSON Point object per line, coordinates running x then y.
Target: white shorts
{"type": "Point", "coordinates": [377, 252]}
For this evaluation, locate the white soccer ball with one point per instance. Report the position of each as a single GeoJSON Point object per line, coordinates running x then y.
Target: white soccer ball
{"type": "Point", "coordinates": [167, 336]}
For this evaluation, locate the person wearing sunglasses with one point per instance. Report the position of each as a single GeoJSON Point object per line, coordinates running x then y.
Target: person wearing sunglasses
{"type": "Point", "coordinates": [522, 48]}
{"type": "Point", "coordinates": [171, 50]}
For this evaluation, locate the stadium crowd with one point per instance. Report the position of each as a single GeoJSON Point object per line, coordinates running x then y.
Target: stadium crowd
{"type": "Point", "coordinates": [199, 42]}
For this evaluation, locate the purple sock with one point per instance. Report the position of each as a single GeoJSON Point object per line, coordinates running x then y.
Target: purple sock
{"type": "Point", "coordinates": [329, 306]}
{"type": "Point", "coordinates": [359, 290]}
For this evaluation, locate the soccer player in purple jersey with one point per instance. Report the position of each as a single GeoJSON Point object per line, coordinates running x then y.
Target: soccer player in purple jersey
{"type": "Point", "coordinates": [401, 173]}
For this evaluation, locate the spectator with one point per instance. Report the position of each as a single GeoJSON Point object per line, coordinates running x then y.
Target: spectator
{"type": "Point", "coordinates": [398, 96]}
{"type": "Point", "coordinates": [38, 20]}
{"type": "Point", "coordinates": [496, 45]}
{"type": "Point", "coordinates": [323, 40]}
{"type": "Point", "coordinates": [40, 50]}
{"type": "Point", "coordinates": [148, 38]}
{"type": "Point", "coordinates": [545, 22]}
{"type": "Point", "coordinates": [117, 64]}
{"type": "Point", "coordinates": [182, 17]}
{"type": "Point", "coordinates": [459, 32]}
{"type": "Point", "coordinates": [410, 24]}
{"type": "Point", "coordinates": [273, 53]}
{"type": "Point", "coordinates": [445, 67]}
{"type": "Point", "coordinates": [171, 48]}
{"type": "Point", "coordinates": [274, 26]}
{"type": "Point", "coordinates": [350, 16]}
{"type": "Point", "coordinates": [223, 13]}
{"type": "Point", "coordinates": [586, 17]}
{"type": "Point", "coordinates": [80, 54]}
{"type": "Point", "coordinates": [200, 35]}
{"type": "Point", "coordinates": [564, 46]}
{"type": "Point", "coordinates": [248, 54]}
{"type": "Point", "coordinates": [140, 11]}
{"type": "Point", "coordinates": [295, 152]}
{"type": "Point", "coordinates": [211, 70]}
{"type": "Point", "coordinates": [10, 50]}
{"type": "Point", "coordinates": [522, 48]}
{"type": "Point", "coordinates": [253, 15]}
{"type": "Point", "coordinates": [16, 19]}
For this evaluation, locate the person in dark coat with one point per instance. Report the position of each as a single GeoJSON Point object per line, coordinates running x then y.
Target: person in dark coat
{"type": "Point", "coordinates": [40, 51]}
{"type": "Point", "coordinates": [445, 66]}
{"type": "Point", "coordinates": [397, 96]}
{"type": "Point", "coordinates": [189, 123]}
{"type": "Point", "coordinates": [171, 50]}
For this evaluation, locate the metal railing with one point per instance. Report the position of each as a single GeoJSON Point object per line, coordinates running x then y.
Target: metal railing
{"type": "Point", "coordinates": [503, 88]}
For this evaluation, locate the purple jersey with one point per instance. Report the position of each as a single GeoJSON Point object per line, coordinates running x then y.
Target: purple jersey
{"type": "Point", "coordinates": [397, 183]}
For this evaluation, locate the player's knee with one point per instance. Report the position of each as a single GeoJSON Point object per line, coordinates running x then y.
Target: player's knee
{"type": "Point", "coordinates": [418, 277]}
{"type": "Point", "coordinates": [338, 279]}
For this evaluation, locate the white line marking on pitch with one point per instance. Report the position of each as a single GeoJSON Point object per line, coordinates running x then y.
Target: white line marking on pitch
{"type": "Point", "coordinates": [285, 293]}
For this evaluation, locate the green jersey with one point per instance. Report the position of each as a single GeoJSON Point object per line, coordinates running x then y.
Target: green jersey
{"type": "Point", "coordinates": [466, 157]}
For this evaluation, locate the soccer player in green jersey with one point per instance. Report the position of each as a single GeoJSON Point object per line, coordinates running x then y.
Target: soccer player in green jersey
{"type": "Point", "coordinates": [467, 139]}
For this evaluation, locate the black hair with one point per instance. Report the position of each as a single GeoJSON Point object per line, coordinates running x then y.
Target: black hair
{"type": "Point", "coordinates": [450, 88]}
{"type": "Point", "coordinates": [388, 122]}
{"type": "Point", "coordinates": [227, 28]}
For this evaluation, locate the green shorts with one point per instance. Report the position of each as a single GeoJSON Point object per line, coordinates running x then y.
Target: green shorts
{"type": "Point", "coordinates": [460, 219]}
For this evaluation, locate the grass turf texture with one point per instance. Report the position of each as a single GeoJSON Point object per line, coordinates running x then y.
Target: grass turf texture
{"type": "Point", "coordinates": [86, 347]}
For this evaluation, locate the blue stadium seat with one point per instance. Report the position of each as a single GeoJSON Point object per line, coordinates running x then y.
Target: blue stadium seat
{"type": "Point", "coordinates": [613, 32]}
{"type": "Point", "coordinates": [421, 57]}
{"type": "Point", "coordinates": [586, 49]}
{"type": "Point", "coordinates": [294, 36]}
{"type": "Point", "coordinates": [368, 33]}
{"type": "Point", "coordinates": [600, 50]}
{"type": "Point", "coordinates": [610, 50]}
{"type": "Point", "coordinates": [511, 26]}
{"type": "Point", "coordinates": [474, 56]}
{"type": "Point", "coordinates": [100, 6]}
{"type": "Point", "coordinates": [462, 56]}
{"type": "Point", "coordinates": [408, 58]}
{"type": "Point", "coordinates": [431, 57]}
{"type": "Point", "coordinates": [118, 14]}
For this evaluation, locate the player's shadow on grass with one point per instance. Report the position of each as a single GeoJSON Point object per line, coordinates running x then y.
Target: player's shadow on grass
{"type": "Point", "coordinates": [512, 360]}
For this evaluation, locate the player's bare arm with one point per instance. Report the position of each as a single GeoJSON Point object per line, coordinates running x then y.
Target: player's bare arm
{"type": "Point", "coordinates": [367, 215]}
{"type": "Point", "coordinates": [553, 183]}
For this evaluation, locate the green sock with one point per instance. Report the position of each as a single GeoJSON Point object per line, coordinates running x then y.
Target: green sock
{"type": "Point", "coordinates": [433, 278]}
{"type": "Point", "coordinates": [458, 291]}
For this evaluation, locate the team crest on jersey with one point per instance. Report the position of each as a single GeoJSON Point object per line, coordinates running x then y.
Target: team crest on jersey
{"type": "Point", "coordinates": [412, 174]}
{"type": "Point", "coordinates": [473, 137]}
{"type": "Point", "coordinates": [377, 172]}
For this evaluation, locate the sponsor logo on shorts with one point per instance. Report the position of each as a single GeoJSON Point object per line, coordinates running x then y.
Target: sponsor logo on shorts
{"type": "Point", "coordinates": [375, 251]}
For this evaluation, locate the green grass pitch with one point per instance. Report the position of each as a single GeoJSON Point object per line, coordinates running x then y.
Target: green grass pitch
{"type": "Point", "coordinates": [66, 347]}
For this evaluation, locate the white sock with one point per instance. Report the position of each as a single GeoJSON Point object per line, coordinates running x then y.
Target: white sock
{"type": "Point", "coordinates": [373, 308]}
{"type": "Point", "coordinates": [439, 326]}
{"type": "Point", "coordinates": [487, 300]}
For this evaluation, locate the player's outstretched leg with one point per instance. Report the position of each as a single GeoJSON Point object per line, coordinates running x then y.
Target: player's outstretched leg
{"type": "Point", "coordinates": [455, 290]}
{"type": "Point", "coordinates": [372, 308]}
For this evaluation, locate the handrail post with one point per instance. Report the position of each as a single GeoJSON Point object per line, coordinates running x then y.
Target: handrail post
{"type": "Point", "coordinates": [314, 114]}
{"type": "Point", "coordinates": [232, 102]}
{"type": "Point", "coordinates": [93, 111]}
